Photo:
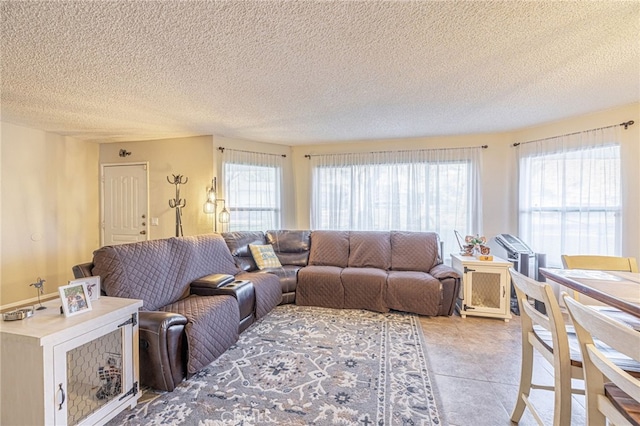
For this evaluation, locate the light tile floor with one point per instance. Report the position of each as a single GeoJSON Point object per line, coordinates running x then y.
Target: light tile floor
{"type": "Point", "coordinates": [475, 364]}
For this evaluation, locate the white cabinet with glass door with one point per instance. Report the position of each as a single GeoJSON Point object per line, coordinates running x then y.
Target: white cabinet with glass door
{"type": "Point", "coordinates": [486, 286]}
{"type": "Point", "coordinates": [79, 370]}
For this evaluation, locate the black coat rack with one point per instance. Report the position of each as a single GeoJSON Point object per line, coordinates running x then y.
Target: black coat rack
{"type": "Point", "coordinates": [178, 203]}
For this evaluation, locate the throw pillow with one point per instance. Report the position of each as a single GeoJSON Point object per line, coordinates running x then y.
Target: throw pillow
{"type": "Point", "coordinates": [264, 256]}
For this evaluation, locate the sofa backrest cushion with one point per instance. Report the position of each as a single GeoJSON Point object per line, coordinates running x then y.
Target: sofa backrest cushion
{"type": "Point", "coordinates": [369, 249]}
{"type": "Point", "coordinates": [329, 248]}
{"type": "Point", "coordinates": [159, 271]}
{"type": "Point", "coordinates": [291, 247]}
{"type": "Point", "coordinates": [414, 251]}
{"type": "Point", "coordinates": [238, 243]}
{"type": "Point", "coordinates": [146, 270]}
{"type": "Point", "coordinates": [209, 255]}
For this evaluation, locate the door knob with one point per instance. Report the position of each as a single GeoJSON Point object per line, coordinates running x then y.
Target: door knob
{"type": "Point", "coordinates": [143, 232]}
{"type": "Point", "coordinates": [144, 216]}
{"type": "Point", "coordinates": [144, 223]}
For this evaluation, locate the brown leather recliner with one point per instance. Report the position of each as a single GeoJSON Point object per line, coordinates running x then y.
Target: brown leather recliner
{"type": "Point", "coordinates": [187, 320]}
{"type": "Point", "coordinates": [163, 350]}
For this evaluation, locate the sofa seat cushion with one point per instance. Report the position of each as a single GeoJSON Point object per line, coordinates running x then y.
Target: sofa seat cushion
{"type": "Point", "coordinates": [267, 289]}
{"type": "Point", "coordinates": [414, 251]}
{"type": "Point", "coordinates": [320, 286]}
{"type": "Point", "coordinates": [364, 288]}
{"type": "Point", "coordinates": [295, 259]}
{"type": "Point", "coordinates": [369, 249]}
{"type": "Point", "coordinates": [413, 291]}
{"type": "Point", "coordinates": [288, 275]}
{"type": "Point", "coordinates": [329, 248]}
{"type": "Point", "coordinates": [212, 327]}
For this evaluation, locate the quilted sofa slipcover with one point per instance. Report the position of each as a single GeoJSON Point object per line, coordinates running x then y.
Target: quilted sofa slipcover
{"type": "Point", "coordinates": [180, 332]}
{"type": "Point", "coordinates": [291, 247]}
{"type": "Point", "coordinates": [378, 271]}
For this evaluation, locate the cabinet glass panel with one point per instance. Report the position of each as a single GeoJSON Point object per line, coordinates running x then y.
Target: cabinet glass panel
{"type": "Point", "coordinates": [486, 290]}
{"type": "Point", "coordinates": [94, 375]}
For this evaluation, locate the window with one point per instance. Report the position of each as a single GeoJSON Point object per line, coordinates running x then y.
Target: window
{"type": "Point", "coordinates": [253, 187]}
{"type": "Point", "coordinates": [426, 190]}
{"type": "Point", "coordinates": [569, 195]}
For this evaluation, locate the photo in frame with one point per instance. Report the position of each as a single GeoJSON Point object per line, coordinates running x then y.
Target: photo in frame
{"type": "Point", "coordinates": [75, 299]}
{"type": "Point", "coordinates": [93, 286]}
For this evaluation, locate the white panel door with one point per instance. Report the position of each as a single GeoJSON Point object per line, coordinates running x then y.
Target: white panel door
{"type": "Point", "coordinates": [125, 207]}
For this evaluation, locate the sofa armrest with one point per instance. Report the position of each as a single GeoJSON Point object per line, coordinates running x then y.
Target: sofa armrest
{"type": "Point", "coordinates": [82, 270]}
{"type": "Point", "coordinates": [160, 321]}
{"type": "Point", "coordinates": [201, 286]}
{"type": "Point", "coordinates": [163, 359]}
{"type": "Point", "coordinates": [450, 280]}
{"type": "Point", "coordinates": [442, 271]}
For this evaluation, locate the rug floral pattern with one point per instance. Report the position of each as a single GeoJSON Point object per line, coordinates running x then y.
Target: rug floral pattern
{"type": "Point", "coordinates": [307, 366]}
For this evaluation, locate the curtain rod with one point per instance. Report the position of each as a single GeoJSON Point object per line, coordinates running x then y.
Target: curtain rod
{"type": "Point", "coordinates": [405, 150]}
{"type": "Point", "coordinates": [222, 148]}
{"type": "Point", "coordinates": [626, 125]}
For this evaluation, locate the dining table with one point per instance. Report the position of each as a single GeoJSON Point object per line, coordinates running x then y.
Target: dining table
{"type": "Point", "coordinates": [617, 289]}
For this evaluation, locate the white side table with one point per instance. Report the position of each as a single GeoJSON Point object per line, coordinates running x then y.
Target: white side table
{"type": "Point", "coordinates": [486, 286]}
{"type": "Point", "coordinates": [77, 370]}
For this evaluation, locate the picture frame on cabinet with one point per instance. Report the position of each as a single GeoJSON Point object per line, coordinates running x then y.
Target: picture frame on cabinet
{"type": "Point", "coordinates": [93, 286]}
{"type": "Point", "coordinates": [75, 299]}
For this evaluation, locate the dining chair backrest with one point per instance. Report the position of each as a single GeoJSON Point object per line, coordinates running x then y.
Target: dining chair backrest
{"type": "Point", "coordinates": [611, 393]}
{"type": "Point", "coordinates": [552, 321]}
{"type": "Point", "coordinates": [546, 333]}
{"type": "Point", "coordinates": [603, 263]}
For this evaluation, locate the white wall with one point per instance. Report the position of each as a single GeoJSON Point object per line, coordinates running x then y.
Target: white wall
{"type": "Point", "coordinates": [191, 157]}
{"type": "Point", "coordinates": [499, 178]}
{"type": "Point", "coordinates": [49, 209]}
{"type": "Point", "coordinates": [49, 204]}
{"type": "Point", "coordinates": [1, 207]}
{"type": "Point", "coordinates": [196, 158]}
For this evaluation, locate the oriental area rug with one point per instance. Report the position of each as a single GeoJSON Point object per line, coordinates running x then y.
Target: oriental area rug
{"type": "Point", "coordinates": [307, 366]}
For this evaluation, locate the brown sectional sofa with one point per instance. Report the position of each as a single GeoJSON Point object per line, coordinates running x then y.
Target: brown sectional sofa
{"type": "Point", "coordinates": [200, 292]}
{"type": "Point", "coordinates": [377, 271]}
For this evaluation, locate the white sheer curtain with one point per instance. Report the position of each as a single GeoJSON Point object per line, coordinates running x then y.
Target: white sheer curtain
{"type": "Point", "coordinates": [569, 194]}
{"type": "Point", "coordinates": [253, 189]}
{"type": "Point", "coordinates": [423, 190]}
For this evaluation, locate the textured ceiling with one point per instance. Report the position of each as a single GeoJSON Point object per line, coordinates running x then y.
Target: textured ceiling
{"type": "Point", "coordinates": [297, 72]}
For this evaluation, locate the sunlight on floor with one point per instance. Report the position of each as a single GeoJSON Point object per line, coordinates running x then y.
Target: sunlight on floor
{"type": "Point", "coordinates": [475, 364]}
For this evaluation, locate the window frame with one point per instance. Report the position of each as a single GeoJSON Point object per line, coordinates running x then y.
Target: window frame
{"type": "Point", "coordinates": [232, 198]}
{"type": "Point", "coordinates": [566, 207]}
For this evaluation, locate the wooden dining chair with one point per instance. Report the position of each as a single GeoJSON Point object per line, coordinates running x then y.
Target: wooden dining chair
{"type": "Point", "coordinates": [611, 393]}
{"type": "Point", "coordinates": [546, 333]}
{"type": "Point", "coordinates": [603, 263]}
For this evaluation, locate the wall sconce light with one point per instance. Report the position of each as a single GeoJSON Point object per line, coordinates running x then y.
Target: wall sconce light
{"type": "Point", "coordinates": [210, 206]}
{"type": "Point", "coordinates": [123, 153]}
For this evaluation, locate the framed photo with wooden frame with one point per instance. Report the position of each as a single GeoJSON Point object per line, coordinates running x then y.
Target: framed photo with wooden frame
{"type": "Point", "coordinates": [75, 299]}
